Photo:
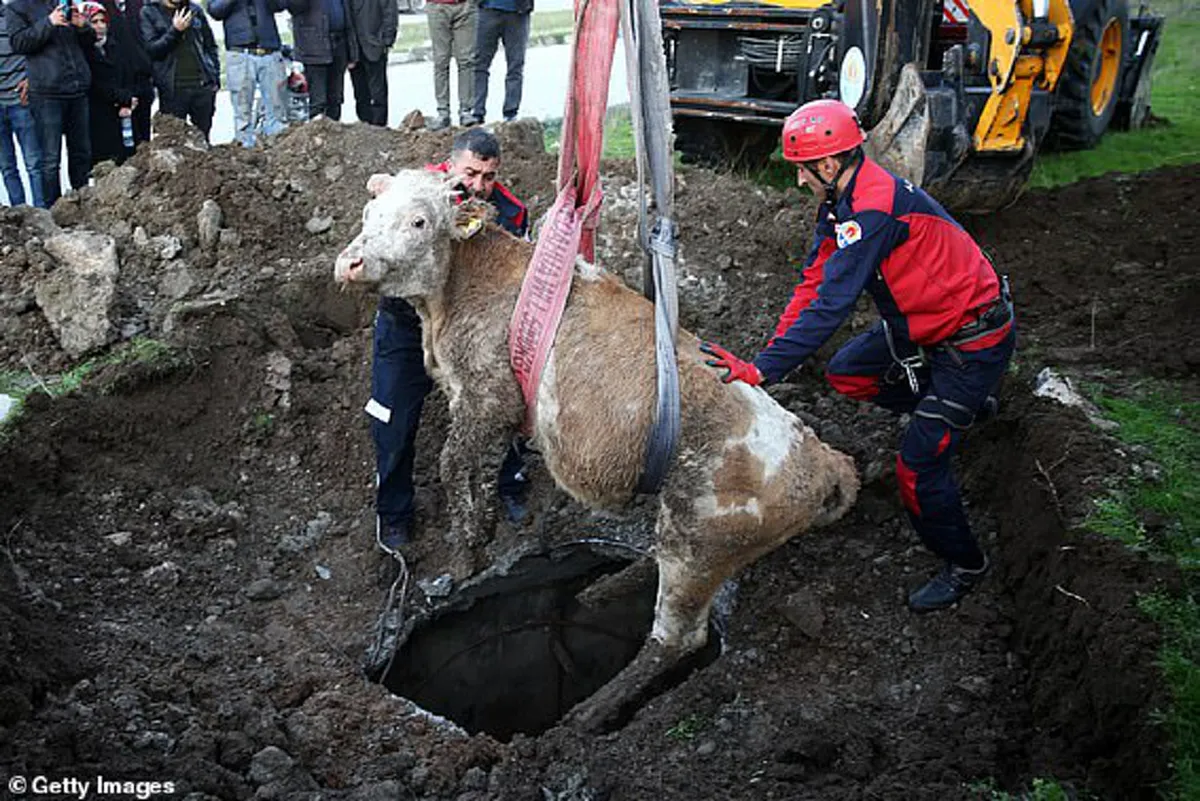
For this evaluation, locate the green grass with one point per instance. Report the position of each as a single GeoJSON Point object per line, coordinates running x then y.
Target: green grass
{"type": "Point", "coordinates": [1040, 790]}
{"type": "Point", "coordinates": [1165, 430]}
{"type": "Point", "coordinates": [687, 728]}
{"type": "Point", "coordinates": [1169, 429]}
{"type": "Point", "coordinates": [20, 385]}
{"type": "Point", "coordinates": [618, 134]}
{"type": "Point", "coordinates": [1176, 84]}
{"type": "Point", "coordinates": [1178, 659]}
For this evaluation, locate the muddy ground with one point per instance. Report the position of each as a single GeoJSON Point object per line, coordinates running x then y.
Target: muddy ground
{"type": "Point", "coordinates": [189, 588]}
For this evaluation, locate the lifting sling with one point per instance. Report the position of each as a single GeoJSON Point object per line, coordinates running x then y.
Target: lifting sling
{"type": "Point", "coordinates": [570, 225]}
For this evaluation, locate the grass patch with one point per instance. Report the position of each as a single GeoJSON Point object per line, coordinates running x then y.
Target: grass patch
{"type": "Point", "coordinates": [1040, 790]}
{"type": "Point", "coordinates": [1178, 659]}
{"type": "Point", "coordinates": [618, 134]}
{"type": "Point", "coordinates": [1176, 83]}
{"type": "Point", "coordinates": [687, 728]}
{"type": "Point", "coordinates": [141, 350]}
{"type": "Point", "coordinates": [1167, 431]}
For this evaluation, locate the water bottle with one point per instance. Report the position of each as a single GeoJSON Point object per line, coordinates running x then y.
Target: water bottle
{"type": "Point", "coordinates": [127, 132]}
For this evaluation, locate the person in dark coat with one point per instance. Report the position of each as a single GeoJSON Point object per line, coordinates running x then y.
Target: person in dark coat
{"type": "Point", "coordinates": [186, 63]}
{"type": "Point", "coordinates": [125, 38]}
{"type": "Point", "coordinates": [325, 45]}
{"type": "Point", "coordinates": [375, 24]}
{"type": "Point", "coordinates": [53, 44]}
{"type": "Point", "coordinates": [112, 94]}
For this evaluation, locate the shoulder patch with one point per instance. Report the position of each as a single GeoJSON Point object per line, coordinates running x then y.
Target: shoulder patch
{"type": "Point", "coordinates": [848, 233]}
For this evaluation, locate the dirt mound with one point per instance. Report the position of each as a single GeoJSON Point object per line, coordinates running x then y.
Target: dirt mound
{"type": "Point", "coordinates": [189, 585]}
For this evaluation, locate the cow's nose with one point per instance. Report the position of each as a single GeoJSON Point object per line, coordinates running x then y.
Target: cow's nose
{"type": "Point", "coordinates": [350, 269]}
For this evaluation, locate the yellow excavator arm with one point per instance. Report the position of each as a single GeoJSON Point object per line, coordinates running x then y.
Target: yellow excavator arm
{"type": "Point", "coordinates": [1029, 44]}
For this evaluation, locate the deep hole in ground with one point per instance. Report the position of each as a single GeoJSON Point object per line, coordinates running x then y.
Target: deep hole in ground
{"type": "Point", "coordinates": [515, 652]}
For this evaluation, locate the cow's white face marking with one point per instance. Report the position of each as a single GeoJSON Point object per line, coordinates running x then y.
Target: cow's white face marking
{"type": "Point", "coordinates": [773, 431]}
{"type": "Point", "coordinates": [404, 244]}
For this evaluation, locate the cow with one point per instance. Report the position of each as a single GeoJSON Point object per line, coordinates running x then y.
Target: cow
{"type": "Point", "coordinates": [748, 475]}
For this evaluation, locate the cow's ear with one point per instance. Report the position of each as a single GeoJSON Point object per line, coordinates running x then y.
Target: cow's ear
{"type": "Point", "coordinates": [469, 218]}
{"type": "Point", "coordinates": [378, 183]}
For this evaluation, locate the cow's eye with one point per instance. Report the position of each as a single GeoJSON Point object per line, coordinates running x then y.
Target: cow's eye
{"type": "Point", "coordinates": [418, 222]}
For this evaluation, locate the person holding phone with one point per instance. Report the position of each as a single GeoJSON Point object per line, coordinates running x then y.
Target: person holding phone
{"type": "Point", "coordinates": [52, 35]}
{"type": "Point", "coordinates": [184, 56]}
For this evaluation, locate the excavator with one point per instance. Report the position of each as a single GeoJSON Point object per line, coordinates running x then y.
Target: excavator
{"type": "Point", "coordinates": [956, 95]}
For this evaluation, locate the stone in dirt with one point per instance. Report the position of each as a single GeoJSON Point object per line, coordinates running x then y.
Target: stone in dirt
{"type": "Point", "coordinates": [77, 297]}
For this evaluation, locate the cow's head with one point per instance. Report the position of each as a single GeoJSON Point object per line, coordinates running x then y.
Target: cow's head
{"type": "Point", "coordinates": [408, 227]}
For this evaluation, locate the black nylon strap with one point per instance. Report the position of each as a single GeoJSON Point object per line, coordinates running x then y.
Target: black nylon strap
{"type": "Point", "coordinates": [650, 108]}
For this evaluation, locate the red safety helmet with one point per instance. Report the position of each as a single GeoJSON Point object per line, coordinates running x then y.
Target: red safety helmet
{"type": "Point", "coordinates": [820, 128]}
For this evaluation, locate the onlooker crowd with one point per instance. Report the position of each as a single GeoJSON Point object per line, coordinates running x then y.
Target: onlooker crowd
{"type": "Point", "coordinates": [89, 71]}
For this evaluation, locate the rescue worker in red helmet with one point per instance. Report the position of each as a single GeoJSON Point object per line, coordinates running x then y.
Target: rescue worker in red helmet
{"type": "Point", "coordinates": [943, 342]}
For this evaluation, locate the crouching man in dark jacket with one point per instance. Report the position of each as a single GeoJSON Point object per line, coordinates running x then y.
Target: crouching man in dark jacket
{"type": "Point", "coordinates": [59, 78]}
{"type": "Point", "coordinates": [187, 66]}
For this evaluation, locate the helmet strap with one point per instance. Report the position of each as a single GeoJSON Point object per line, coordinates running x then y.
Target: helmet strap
{"type": "Point", "coordinates": [853, 160]}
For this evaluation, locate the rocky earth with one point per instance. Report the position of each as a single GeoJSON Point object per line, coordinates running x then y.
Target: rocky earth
{"type": "Point", "coordinates": [189, 591]}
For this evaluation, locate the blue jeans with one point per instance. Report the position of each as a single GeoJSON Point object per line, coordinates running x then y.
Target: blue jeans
{"type": "Point", "coordinates": [247, 72]}
{"type": "Point", "coordinates": [56, 117]}
{"type": "Point", "coordinates": [16, 121]}
{"type": "Point", "coordinates": [399, 385]}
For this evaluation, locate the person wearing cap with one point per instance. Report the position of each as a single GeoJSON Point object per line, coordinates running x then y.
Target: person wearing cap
{"type": "Point", "coordinates": [940, 349]}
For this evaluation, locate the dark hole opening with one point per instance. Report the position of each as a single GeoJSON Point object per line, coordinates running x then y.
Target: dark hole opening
{"type": "Point", "coordinates": [516, 652]}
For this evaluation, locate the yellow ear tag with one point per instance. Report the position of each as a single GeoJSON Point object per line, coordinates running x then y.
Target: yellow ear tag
{"type": "Point", "coordinates": [470, 227]}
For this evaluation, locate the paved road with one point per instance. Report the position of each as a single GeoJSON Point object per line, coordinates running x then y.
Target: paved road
{"type": "Point", "coordinates": [411, 87]}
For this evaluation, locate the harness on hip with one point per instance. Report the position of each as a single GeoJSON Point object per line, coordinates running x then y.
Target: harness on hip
{"type": "Point", "coordinates": [991, 319]}
{"type": "Point", "coordinates": [909, 364]}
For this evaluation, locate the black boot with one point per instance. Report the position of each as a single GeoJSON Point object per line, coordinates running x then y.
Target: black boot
{"type": "Point", "coordinates": [947, 588]}
{"type": "Point", "coordinates": [989, 411]}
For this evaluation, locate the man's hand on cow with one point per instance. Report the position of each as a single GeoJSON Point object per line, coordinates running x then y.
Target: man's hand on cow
{"type": "Point", "coordinates": [735, 369]}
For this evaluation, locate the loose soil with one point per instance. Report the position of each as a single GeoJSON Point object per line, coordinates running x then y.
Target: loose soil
{"type": "Point", "coordinates": [189, 585]}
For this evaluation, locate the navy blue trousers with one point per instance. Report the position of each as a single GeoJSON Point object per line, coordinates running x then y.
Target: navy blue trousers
{"type": "Point", "coordinates": [399, 385]}
{"type": "Point", "coordinates": [952, 386]}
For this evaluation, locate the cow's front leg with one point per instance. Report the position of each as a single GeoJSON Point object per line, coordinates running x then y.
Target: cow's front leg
{"type": "Point", "coordinates": [470, 466]}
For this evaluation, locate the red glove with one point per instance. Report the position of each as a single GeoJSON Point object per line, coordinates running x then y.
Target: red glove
{"type": "Point", "coordinates": [736, 369]}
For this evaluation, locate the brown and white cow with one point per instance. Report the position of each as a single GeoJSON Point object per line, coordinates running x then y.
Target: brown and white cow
{"type": "Point", "coordinates": [748, 474]}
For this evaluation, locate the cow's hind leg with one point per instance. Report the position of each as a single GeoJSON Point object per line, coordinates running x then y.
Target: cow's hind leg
{"type": "Point", "coordinates": [687, 584]}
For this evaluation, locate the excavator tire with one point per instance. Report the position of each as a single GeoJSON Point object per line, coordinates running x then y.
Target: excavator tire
{"type": "Point", "coordinates": [1090, 84]}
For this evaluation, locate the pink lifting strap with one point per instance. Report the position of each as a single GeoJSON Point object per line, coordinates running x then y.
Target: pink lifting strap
{"type": "Point", "coordinates": [570, 226]}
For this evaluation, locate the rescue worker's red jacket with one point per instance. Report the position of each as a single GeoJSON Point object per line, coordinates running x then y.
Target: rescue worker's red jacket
{"type": "Point", "coordinates": [926, 274]}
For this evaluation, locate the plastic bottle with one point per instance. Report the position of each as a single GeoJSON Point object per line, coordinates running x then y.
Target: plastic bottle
{"type": "Point", "coordinates": [127, 132]}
